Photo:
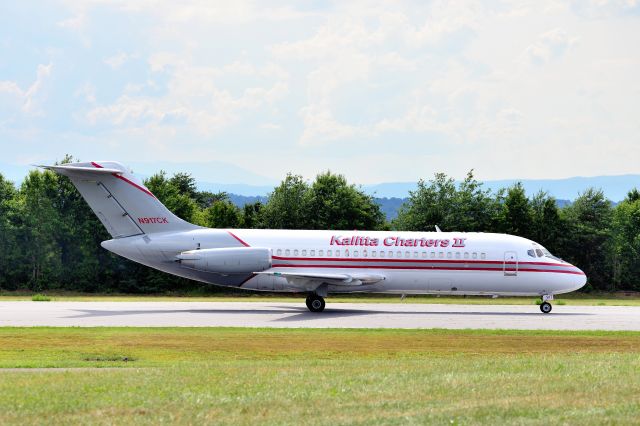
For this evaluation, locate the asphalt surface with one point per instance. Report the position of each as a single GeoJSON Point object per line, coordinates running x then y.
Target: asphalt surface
{"type": "Point", "coordinates": [296, 315]}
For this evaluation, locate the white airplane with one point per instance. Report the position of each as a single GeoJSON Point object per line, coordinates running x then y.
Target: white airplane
{"type": "Point", "coordinates": [316, 262]}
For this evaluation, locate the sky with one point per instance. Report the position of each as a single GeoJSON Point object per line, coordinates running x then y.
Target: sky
{"type": "Point", "coordinates": [383, 91]}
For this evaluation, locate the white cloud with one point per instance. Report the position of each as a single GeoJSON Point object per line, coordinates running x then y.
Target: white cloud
{"type": "Point", "coordinates": [193, 99]}
{"type": "Point", "coordinates": [119, 59]}
{"type": "Point", "coordinates": [29, 99]}
{"type": "Point", "coordinates": [550, 45]}
{"type": "Point", "coordinates": [437, 79]}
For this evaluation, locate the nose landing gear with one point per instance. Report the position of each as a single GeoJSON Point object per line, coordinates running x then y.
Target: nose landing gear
{"type": "Point", "coordinates": [315, 303]}
{"type": "Point", "coordinates": [545, 306]}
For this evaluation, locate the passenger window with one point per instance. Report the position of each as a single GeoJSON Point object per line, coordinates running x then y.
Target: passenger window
{"type": "Point", "coordinates": [433, 254]}
{"type": "Point", "coordinates": [407, 254]}
{"type": "Point", "coordinates": [457, 255]}
{"type": "Point", "coordinates": [381, 253]}
{"type": "Point", "coordinates": [466, 255]}
{"type": "Point", "coordinates": [321, 253]}
{"type": "Point", "coordinates": [364, 253]}
{"type": "Point", "coordinates": [416, 254]}
{"type": "Point", "coordinates": [424, 254]}
{"type": "Point", "coordinates": [355, 253]}
{"type": "Point", "coordinates": [304, 252]}
{"type": "Point", "coordinates": [399, 254]}
{"type": "Point", "coordinates": [337, 253]}
{"type": "Point", "coordinates": [346, 253]}
{"type": "Point", "coordinates": [475, 255]}
{"type": "Point", "coordinates": [313, 253]}
{"type": "Point", "coordinates": [449, 255]}
{"type": "Point", "coordinates": [483, 256]}
{"type": "Point", "coordinates": [390, 254]}
{"type": "Point", "coordinates": [287, 252]}
{"type": "Point", "coordinates": [373, 253]}
{"type": "Point", "coordinates": [295, 252]}
{"type": "Point", "coordinates": [279, 252]}
{"type": "Point", "coordinates": [441, 255]}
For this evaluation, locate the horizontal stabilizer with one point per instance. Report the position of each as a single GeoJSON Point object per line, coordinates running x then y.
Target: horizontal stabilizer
{"type": "Point", "coordinates": [65, 170]}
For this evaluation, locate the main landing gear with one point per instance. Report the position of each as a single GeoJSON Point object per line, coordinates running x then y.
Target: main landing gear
{"type": "Point", "coordinates": [315, 303]}
{"type": "Point", "coordinates": [545, 306]}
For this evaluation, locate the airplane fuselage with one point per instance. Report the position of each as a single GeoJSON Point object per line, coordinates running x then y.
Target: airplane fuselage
{"type": "Point", "coordinates": [406, 262]}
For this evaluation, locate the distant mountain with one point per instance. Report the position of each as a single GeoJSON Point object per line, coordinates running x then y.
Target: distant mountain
{"type": "Point", "coordinates": [388, 206]}
{"type": "Point", "coordinates": [614, 187]}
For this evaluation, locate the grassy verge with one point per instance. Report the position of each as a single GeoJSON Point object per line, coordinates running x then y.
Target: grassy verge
{"type": "Point", "coordinates": [272, 376]}
{"type": "Point", "coordinates": [583, 299]}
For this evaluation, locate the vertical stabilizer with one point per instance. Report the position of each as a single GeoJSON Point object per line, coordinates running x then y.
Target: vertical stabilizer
{"type": "Point", "coordinates": [122, 203]}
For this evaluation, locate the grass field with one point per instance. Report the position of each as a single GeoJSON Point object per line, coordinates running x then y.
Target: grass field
{"type": "Point", "coordinates": [273, 376]}
{"type": "Point", "coordinates": [590, 299]}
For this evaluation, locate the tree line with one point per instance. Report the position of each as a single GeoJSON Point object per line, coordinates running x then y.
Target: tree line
{"type": "Point", "coordinates": [50, 239]}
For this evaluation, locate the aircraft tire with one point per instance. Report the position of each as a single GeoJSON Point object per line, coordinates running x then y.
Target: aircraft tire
{"type": "Point", "coordinates": [545, 307]}
{"type": "Point", "coordinates": [315, 303]}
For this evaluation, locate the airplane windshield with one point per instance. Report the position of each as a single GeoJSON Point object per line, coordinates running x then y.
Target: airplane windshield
{"type": "Point", "coordinates": [547, 253]}
{"type": "Point", "coordinates": [539, 251]}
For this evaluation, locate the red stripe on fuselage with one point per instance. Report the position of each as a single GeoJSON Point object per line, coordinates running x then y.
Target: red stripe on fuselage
{"type": "Point", "coordinates": [418, 268]}
{"type": "Point", "coordinates": [141, 188]}
{"type": "Point", "coordinates": [239, 239]}
{"type": "Point", "coordinates": [382, 260]}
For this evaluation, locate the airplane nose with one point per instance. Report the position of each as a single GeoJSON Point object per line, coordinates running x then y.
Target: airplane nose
{"type": "Point", "coordinates": [580, 278]}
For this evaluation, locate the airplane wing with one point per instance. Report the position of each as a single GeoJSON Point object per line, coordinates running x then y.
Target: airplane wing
{"type": "Point", "coordinates": [302, 278]}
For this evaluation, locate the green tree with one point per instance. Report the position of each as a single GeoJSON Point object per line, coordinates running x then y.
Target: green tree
{"type": "Point", "coordinates": [474, 209]}
{"type": "Point", "coordinates": [438, 202]}
{"type": "Point", "coordinates": [588, 241]}
{"type": "Point", "coordinates": [626, 241]}
{"type": "Point", "coordinates": [252, 215]}
{"type": "Point", "coordinates": [185, 184]}
{"type": "Point", "coordinates": [205, 199]}
{"type": "Point", "coordinates": [429, 205]}
{"type": "Point", "coordinates": [223, 214]}
{"type": "Point", "coordinates": [517, 215]}
{"type": "Point", "coordinates": [547, 225]}
{"type": "Point", "coordinates": [288, 205]}
{"type": "Point", "coordinates": [39, 228]}
{"type": "Point", "coordinates": [335, 204]}
{"type": "Point", "coordinates": [8, 244]}
{"type": "Point", "coordinates": [175, 193]}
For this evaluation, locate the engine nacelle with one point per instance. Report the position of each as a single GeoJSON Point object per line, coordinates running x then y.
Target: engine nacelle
{"type": "Point", "coordinates": [235, 260]}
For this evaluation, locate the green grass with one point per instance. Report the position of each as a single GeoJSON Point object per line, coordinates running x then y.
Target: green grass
{"type": "Point", "coordinates": [288, 376]}
{"type": "Point", "coordinates": [572, 299]}
{"type": "Point", "coordinates": [40, 298]}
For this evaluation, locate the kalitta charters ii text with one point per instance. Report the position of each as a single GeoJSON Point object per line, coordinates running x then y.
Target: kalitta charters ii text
{"type": "Point", "coordinates": [356, 240]}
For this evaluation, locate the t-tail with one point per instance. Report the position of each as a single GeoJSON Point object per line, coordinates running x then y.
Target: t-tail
{"type": "Point", "coordinates": [122, 203]}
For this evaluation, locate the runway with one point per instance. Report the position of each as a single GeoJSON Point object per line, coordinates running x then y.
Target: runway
{"type": "Point", "coordinates": [296, 315]}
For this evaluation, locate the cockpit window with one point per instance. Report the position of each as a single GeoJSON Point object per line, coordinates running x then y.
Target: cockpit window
{"type": "Point", "coordinates": [531, 253]}
{"type": "Point", "coordinates": [543, 252]}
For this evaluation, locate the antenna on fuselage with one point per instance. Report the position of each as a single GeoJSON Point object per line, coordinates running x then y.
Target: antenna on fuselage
{"type": "Point", "coordinates": [438, 229]}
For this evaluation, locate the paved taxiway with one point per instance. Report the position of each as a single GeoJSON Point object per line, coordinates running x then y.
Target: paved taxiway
{"type": "Point", "coordinates": [337, 315]}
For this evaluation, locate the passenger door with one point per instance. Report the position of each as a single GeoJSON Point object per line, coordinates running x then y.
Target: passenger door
{"type": "Point", "coordinates": [510, 264]}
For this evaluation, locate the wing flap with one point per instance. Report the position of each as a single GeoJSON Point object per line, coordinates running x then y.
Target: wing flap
{"type": "Point", "coordinates": [300, 277]}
